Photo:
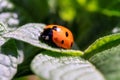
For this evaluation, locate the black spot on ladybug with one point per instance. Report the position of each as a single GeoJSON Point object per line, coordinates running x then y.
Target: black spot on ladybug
{"type": "Point", "coordinates": [66, 33]}
{"type": "Point", "coordinates": [54, 28]}
{"type": "Point", "coordinates": [62, 42]}
{"type": "Point", "coordinates": [71, 44]}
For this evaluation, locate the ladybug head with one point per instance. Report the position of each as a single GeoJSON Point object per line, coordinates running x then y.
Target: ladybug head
{"type": "Point", "coordinates": [46, 35]}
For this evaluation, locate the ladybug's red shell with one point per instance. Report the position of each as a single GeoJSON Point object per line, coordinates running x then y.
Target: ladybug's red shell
{"type": "Point", "coordinates": [61, 36]}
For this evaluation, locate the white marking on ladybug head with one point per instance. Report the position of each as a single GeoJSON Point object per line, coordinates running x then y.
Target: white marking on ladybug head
{"type": "Point", "coordinates": [58, 29]}
{"type": "Point", "coordinates": [46, 37]}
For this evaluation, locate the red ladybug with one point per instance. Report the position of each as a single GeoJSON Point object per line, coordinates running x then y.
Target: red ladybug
{"type": "Point", "coordinates": [57, 35]}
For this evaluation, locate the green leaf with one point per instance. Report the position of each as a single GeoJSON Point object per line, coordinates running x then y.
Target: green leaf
{"type": "Point", "coordinates": [101, 44]}
{"type": "Point", "coordinates": [12, 15]}
{"type": "Point", "coordinates": [30, 33]}
{"type": "Point", "coordinates": [26, 53]}
{"type": "Point", "coordinates": [5, 5]}
{"type": "Point", "coordinates": [8, 60]}
{"type": "Point", "coordinates": [2, 41]}
{"type": "Point", "coordinates": [108, 62]}
{"type": "Point", "coordinates": [3, 28]}
{"type": "Point", "coordinates": [104, 53]}
{"type": "Point", "coordinates": [7, 15]}
{"type": "Point", "coordinates": [64, 68]}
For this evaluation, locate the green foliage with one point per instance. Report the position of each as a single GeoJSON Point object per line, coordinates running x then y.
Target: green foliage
{"type": "Point", "coordinates": [102, 44]}
{"type": "Point", "coordinates": [107, 62]}
{"type": "Point", "coordinates": [85, 18]}
{"type": "Point", "coordinates": [8, 60]}
{"type": "Point", "coordinates": [104, 50]}
{"type": "Point", "coordinates": [21, 52]}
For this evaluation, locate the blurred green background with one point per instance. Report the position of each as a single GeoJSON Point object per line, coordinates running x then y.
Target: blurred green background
{"type": "Point", "coordinates": [87, 19]}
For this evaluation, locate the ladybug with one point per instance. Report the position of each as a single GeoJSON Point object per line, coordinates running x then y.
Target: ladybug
{"type": "Point", "coordinates": [58, 36]}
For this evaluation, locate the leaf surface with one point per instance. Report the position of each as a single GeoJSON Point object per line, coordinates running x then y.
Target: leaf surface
{"type": "Point", "coordinates": [64, 68]}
